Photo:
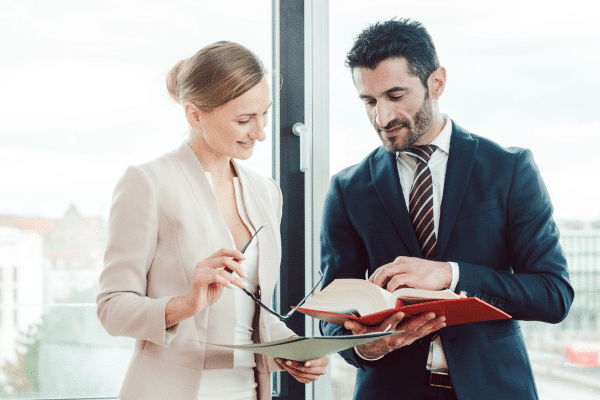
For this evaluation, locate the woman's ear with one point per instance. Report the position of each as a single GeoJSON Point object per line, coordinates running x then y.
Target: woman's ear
{"type": "Point", "coordinates": [193, 115]}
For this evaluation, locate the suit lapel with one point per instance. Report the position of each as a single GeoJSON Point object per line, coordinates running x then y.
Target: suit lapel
{"type": "Point", "coordinates": [209, 216]}
{"type": "Point", "coordinates": [463, 149]}
{"type": "Point", "coordinates": [268, 236]}
{"type": "Point", "coordinates": [220, 317]}
{"type": "Point", "coordinates": [384, 173]}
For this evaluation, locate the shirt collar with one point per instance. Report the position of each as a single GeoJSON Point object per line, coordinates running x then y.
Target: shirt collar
{"type": "Point", "coordinates": [442, 141]}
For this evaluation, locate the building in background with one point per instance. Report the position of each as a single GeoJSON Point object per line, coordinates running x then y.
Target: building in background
{"type": "Point", "coordinates": [21, 289]}
{"type": "Point", "coordinates": [582, 248]}
{"type": "Point", "coordinates": [74, 248]}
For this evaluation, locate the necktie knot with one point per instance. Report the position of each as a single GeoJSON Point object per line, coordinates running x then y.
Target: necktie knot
{"type": "Point", "coordinates": [421, 153]}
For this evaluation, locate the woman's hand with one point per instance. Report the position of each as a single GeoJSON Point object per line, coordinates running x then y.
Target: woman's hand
{"type": "Point", "coordinates": [210, 277]}
{"type": "Point", "coordinates": [305, 372]}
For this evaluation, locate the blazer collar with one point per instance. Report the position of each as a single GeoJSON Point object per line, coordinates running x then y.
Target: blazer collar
{"type": "Point", "coordinates": [268, 260]}
{"type": "Point", "coordinates": [384, 174]}
{"type": "Point", "coordinates": [202, 189]}
{"type": "Point", "coordinates": [463, 148]}
{"type": "Point", "coordinates": [268, 236]}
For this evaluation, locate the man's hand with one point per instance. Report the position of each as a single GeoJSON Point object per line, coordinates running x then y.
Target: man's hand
{"type": "Point", "coordinates": [413, 272]}
{"type": "Point", "coordinates": [414, 329]}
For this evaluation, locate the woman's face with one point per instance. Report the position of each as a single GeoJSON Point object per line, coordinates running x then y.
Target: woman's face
{"type": "Point", "coordinates": [233, 129]}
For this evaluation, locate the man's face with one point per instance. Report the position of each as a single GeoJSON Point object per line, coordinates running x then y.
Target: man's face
{"type": "Point", "coordinates": [397, 104]}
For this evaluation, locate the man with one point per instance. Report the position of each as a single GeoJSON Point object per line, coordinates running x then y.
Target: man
{"type": "Point", "coordinates": [438, 207]}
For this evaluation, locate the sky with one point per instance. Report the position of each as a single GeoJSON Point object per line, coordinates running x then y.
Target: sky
{"type": "Point", "coordinates": [83, 95]}
{"type": "Point", "coordinates": [82, 92]}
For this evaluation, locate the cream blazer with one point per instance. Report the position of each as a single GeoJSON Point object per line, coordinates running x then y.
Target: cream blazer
{"type": "Point", "coordinates": [164, 220]}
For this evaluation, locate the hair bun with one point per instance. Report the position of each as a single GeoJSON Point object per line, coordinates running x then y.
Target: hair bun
{"type": "Point", "coordinates": [215, 75]}
{"type": "Point", "coordinates": [173, 85]}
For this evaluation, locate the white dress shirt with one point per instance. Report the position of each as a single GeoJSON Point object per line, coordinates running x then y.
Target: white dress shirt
{"type": "Point", "coordinates": [437, 164]}
{"type": "Point", "coordinates": [239, 382]}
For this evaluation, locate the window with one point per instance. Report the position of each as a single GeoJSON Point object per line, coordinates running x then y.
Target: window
{"type": "Point", "coordinates": [96, 72]}
{"type": "Point", "coordinates": [1, 292]}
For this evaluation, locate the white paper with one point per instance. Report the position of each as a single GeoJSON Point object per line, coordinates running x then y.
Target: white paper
{"type": "Point", "coordinates": [300, 348]}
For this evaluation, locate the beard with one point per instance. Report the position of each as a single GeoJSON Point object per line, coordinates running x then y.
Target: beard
{"type": "Point", "coordinates": [421, 122]}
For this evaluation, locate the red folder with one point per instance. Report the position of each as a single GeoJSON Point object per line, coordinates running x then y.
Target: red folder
{"type": "Point", "coordinates": [456, 311]}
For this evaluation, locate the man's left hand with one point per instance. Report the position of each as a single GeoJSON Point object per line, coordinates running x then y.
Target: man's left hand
{"type": "Point", "coordinates": [413, 272]}
{"type": "Point", "coordinates": [305, 372]}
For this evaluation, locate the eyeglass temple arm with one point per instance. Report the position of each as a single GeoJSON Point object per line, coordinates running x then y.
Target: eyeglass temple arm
{"type": "Point", "coordinates": [286, 316]}
{"type": "Point", "coordinates": [264, 307]}
{"type": "Point", "coordinates": [252, 237]}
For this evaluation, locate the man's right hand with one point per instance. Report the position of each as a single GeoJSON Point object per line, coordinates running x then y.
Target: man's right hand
{"type": "Point", "coordinates": [414, 329]}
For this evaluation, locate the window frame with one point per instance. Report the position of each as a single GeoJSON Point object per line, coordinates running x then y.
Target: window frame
{"type": "Point", "coordinates": [301, 93]}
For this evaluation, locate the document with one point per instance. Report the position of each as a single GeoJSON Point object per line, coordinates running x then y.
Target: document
{"type": "Point", "coordinates": [301, 349]}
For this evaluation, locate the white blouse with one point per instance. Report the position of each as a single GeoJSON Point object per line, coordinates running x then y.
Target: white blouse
{"type": "Point", "coordinates": [237, 383]}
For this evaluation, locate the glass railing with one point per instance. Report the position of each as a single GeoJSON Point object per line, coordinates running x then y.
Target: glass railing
{"type": "Point", "coordinates": [64, 353]}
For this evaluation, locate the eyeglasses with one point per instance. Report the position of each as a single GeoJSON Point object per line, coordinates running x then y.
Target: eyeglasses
{"type": "Point", "coordinates": [264, 306]}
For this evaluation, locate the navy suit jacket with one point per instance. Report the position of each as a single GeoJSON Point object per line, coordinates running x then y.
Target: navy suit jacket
{"type": "Point", "coordinates": [495, 222]}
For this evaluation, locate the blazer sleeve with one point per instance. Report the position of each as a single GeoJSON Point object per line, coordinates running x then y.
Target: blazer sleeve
{"type": "Point", "coordinates": [123, 307]}
{"type": "Point", "coordinates": [538, 286]}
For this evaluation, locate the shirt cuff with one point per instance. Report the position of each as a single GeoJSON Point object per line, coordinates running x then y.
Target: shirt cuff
{"type": "Point", "coordinates": [365, 358]}
{"type": "Point", "coordinates": [455, 275]}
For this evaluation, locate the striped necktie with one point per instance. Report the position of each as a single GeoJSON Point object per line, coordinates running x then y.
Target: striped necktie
{"type": "Point", "coordinates": [421, 200]}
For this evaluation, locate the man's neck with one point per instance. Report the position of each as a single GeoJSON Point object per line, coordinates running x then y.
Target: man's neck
{"type": "Point", "coordinates": [436, 128]}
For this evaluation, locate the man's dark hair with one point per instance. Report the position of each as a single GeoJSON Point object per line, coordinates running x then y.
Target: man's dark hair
{"type": "Point", "coordinates": [391, 39]}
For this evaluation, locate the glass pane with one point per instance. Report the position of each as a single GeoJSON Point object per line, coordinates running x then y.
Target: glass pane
{"type": "Point", "coordinates": [517, 73]}
{"type": "Point", "coordinates": [82, 96]}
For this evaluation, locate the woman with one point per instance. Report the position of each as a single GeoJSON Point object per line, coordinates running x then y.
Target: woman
{"type": "Point", "coordinates": [176, 228]}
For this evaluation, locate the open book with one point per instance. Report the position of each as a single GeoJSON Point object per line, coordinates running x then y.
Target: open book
{"type": "Point", "coordinates": [369, 304]}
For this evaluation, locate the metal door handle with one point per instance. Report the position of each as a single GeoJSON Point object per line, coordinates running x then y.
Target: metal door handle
{"type": "Point", "coordinates": [302, 130]}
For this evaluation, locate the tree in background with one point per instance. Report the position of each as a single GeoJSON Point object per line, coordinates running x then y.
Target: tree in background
{"type": "Point", "coordinates": [22, 376]}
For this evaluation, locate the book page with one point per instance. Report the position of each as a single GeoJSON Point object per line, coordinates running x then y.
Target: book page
{"type": "Point", "coordinates": [412, 296]}
{"type": "Point", "coordinates": [350, 296]}
{"type": "Point", "coordinates": [359, 297]}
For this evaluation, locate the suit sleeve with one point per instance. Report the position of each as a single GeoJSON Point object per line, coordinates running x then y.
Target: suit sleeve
{"type": "Point", "coordinates": [123, 307]}
{"type": "Point", "coordinates": [538, 286]}
{"type": "Point", "coordinates": [343, 255]}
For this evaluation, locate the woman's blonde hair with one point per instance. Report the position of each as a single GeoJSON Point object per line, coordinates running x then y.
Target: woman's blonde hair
{"type": "Point", "coordinates": [215, 75]}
